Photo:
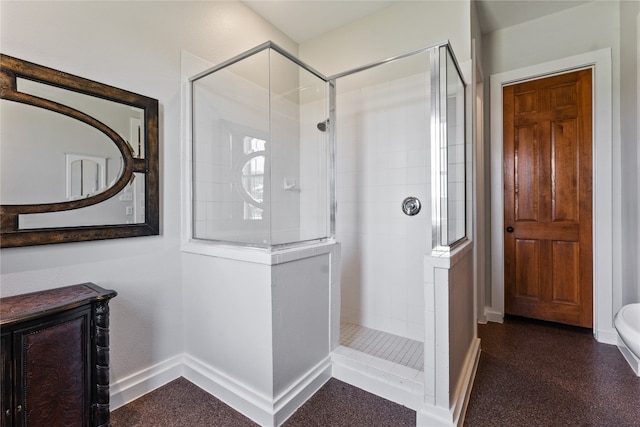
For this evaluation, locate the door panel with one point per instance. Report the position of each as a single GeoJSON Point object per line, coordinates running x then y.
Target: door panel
{"type": "Point", "coordinates": [526, 168]}
{"type": "Point", "coordinates": [528, 269]}
{"type": "Point", "coordinates": [566, 264]}
{"type": "Point", "coordinates": [565, 160]}
{"type": "Point", "coordinates": [548, 193]}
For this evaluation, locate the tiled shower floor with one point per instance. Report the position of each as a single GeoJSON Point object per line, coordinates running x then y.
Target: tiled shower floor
{"type": "Point", "coordinates": [393, 348]}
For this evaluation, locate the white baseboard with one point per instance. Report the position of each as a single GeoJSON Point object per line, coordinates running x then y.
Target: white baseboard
{"type": "Point", "coordinates": [465, 383]}
{"type": "Point", "coordinates": [431, 415]}
{"type": "Point", "coordinates": [273, 412]}
{"type": "Point", "coordinates": [298, 393]}
{"type": "Point", "coordinates": [137, 385]}
{"type": "Point", "coordinates": [254, 405]}
{"type": "Point", "coordinates": [402, 392]}
{"type": "Point", "coordinates": [493, 316]}
{"type": "Point", "coordinates": [607, 336]}
{"type": "Point", "coordinates": [631, 358]}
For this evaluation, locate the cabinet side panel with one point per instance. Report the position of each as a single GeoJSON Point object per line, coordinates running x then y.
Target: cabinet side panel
{"type": "Point", "coordinates": [55, 375]}
{"type": "Point", "coordinates": [101, 364]}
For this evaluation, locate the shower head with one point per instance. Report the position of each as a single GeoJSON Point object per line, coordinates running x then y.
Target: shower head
{"type": "Point", "coordinates": [323, 126]}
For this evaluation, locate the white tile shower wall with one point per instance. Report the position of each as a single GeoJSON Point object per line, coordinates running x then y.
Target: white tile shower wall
{"type": "Point", "coordinates": [456, 167]}
{"type": "Point", "coordinates": [235, 105]}
{"type": "Point", "coordinates": [382, 157]}
{"type": "Point", "coordinates": [217, 203]}
{"type": "Point", "coordinates": [285, 154]}
{"type": "Point", "coordinates": [314, 170]}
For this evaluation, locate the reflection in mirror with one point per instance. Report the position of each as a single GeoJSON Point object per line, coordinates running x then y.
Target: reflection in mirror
{"type": "Point", "coordinates": [127, 208]}
{"type": "Point", "coordinates": [43, 140]}
{"type": "Point", "coordinates": [251, 175]}
{"type": "Point", "coordinates": [85, 176]}
{"type": "Point", "coordinates": [122, 118]}
{"type": "Point", "coordinates": [79, 159]}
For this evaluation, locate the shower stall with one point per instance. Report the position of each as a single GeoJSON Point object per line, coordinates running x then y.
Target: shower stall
{"type": "Point", "coordinates": [343, 185]}
{"type": "Point", "coordinates": [383, 128]}
{"type": "Point", "coordinates": [400, 187]}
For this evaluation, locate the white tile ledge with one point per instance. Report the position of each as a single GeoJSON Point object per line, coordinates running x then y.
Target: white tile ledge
{"type": "Point", "coordinates": [258, 255]}
{"type": "Point", "coordinates": [449, 259]}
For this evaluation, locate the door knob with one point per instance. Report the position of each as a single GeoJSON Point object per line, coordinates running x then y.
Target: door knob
{"type": "Point", "coordinates": [509, 229]}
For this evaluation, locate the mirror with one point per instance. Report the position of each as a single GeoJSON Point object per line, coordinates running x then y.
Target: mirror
{"type": "Point", "coordinates": [78, 158]}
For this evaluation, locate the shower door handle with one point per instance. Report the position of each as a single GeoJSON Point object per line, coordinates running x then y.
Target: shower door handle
{"type": "Point", "coordinates": [411, 206]}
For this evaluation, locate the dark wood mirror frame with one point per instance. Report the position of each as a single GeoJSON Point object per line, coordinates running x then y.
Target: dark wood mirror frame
{"type": "Point", "coordinates": [10, 234]}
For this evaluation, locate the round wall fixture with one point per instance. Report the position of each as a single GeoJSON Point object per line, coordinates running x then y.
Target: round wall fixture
{"type": "Point", "coordinates": [411, 206]}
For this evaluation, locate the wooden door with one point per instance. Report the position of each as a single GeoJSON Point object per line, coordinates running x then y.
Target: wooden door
{"type": "Point", "coordinates": [548, 198]}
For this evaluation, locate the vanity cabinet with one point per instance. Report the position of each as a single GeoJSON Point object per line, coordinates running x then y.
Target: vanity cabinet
{"type": "Point", "coordinates": [55, 357]}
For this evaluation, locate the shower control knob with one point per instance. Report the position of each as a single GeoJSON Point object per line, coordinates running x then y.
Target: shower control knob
{"type": "Point", "coordinates": [411, 206]}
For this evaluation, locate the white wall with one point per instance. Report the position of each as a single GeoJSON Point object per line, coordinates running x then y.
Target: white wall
{"type": "Point", "coordinates": [401, 28]}
{"type": "Point", "coordinates": [630, 163]}
{"type": "Point", "coordinates": [134, 46]}
{"type": "Point", "coordinates": [637, 127]}
{"type": "Point", "coordinates": [587, 28]}
{"type": "Point", "coordinates": [592, 27]}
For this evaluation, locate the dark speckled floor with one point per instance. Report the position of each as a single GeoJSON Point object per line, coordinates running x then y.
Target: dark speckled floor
{"type": "Point", "coordinates": [541, 374]}
{"type": "Point", "coordinates": [182, 404]}
{"type": "Point", "coordinates": [530, 374]}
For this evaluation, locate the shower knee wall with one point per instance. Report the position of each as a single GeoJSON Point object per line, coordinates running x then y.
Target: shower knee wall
{"type": "Point", "coordinates": [452, 346]}
{"type": "Point", "coordinates": [258, 331]}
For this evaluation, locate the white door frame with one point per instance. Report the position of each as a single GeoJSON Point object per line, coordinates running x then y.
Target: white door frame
{"type": "Point", "coordinates": [600, 62]}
